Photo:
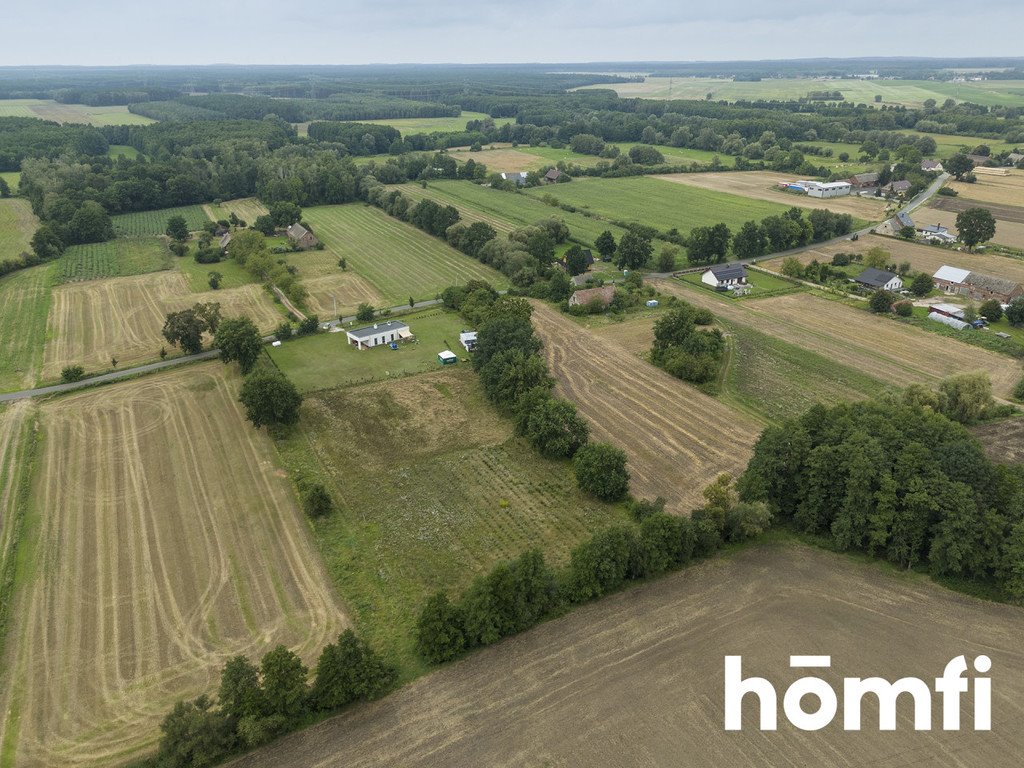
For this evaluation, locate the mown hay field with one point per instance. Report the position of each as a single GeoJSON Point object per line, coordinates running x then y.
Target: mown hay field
{"type": "Point", "coordinates": [764, 185]}
{"type": "Point", "coordinates": [47, 109]}
{"type": "Point", "coordinates": [245, 208]}
{"type": "Point", "coordinates": [154, 223]}
{"type": "Point", "coordinates": [1003, 440]}
{"type": "Point", "coordinates": [879, 347]}
{"type": "Point", "coordinates": [339, 294]}
{"type": "Point", "coordinates": [17, 225]}
{"type": "Point", "coordinates": [120, 257]}
{"type": "Point", "coordinates": [165, 541]}
{"type": "Point", "coordinates": [676, 439]}
{"type": "Point", "coordinates": [1001, 190]}
{"type": "Point", "coordinates": [1009, 218]}
{"type": "Point", "coordinates": [123, 317]}
{"type": "Point", "coordinates": [659, 203]}
{"type": "Point", "coordinates": [636, 679]}
{"type": "Point", "coordinates": [396, 258]}
{"type": "Point", "coordinates": [25, 301]}
{"type": "Point", "coordinates": [432, 490]}
{"type": "Point", "coordinates": [17, 445]}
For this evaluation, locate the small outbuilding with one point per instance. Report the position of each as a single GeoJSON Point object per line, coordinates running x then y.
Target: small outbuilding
{"type": "Point", "coordinates": [724, 275]}
{"type": "Point", "coordinates": [879, 279]}
{"type": "Point", "coordinates": [830, 189]}
{"type": "Point", "coordinates": [516, 177]}
{"type": "Point", "coordinates": [552, 176]}
{"type": "Point", "coordinates": [225, 241]}
{"type": "Point", "coordinates": [447, 357]}
{"type": "Point", "coordinates": [952, 322]}
{"type": "Point", "coordinates": [379, 333]}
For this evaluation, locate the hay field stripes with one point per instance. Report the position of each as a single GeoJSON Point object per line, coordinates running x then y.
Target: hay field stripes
{"type": "Point", "coordinates": [168, 542]}
{"type": "Point", "coordinates": [636, 679]}
{"type": "Point", "coordinates": [17, 225]}
{"type": "Point", "coordinates": [999, 190]}
{"type": "Point", "coordinates": [1008, 231]}
{"type": "Point", "coordinates": [339, 294]}
{"type": "Point", "coordinates": [677, 439]}
{"type": "Point", "coordinates": [878, 347]}
{"type": "Point", "coordinates": [123, 317]}
{"type": "Point", "coordinates": [154, 223]}
{"type": "Point", "coordinates": [25, 297]}
{"type": "Point", "coordinates": [17, 425]}
{"type": "Point", "coordinates": [245, 208]}
{"type": "Point", "coordinates": [396, 258]}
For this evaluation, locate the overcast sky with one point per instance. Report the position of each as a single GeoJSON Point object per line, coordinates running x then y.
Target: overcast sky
{"type": "Point", "coordinates": [400, 31]}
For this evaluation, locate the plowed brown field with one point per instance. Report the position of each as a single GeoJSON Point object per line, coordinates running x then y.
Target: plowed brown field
{"type": "Point", "coordinates": [879, 347]}
{"type": "Point", "coordinates": [123, 317]}
{"type": "Point", "coordinates": [166, 542]}
{"type": "Point", "coordinates": [677, 439]}
{"type": "Point", "coordinates": [635, 680]}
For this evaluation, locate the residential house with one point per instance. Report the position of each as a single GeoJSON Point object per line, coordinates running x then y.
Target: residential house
{"type": "Point", "coordinates": [518, 177]}
{"type": "Point", "coordinates": [979, 160]}
{"type": "Point", "coordinates": [864, 180]}
{"type": "Point", "coordinates": [581, 279]}
{"type": "Point", "coordinates": [897, 187]}
{"type": "Point", "coordinates": [604, 294]}
{"type": "Point", "coordinates": [932, 166]}
{"type": "Point", "coordinates": [895, 225]}
{"type": "Point", "coordinates": [724, 275]}
{"type": "Point", "coordinates": [1016, 158]}
{"type": "Point", "coordinates": [936, 233]}
{"type": "Point", "coordinates": [552, 176]}
{"type": "Point", "coordinates": [878, 279]}
{"type": "Point", "coordinates": [301, 236]}
{"type": "Point", "coordinates": [378, 333]}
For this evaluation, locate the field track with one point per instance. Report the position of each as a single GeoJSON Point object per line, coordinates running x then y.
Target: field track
{"type": "Point", "coordinates": [677, 439]}
{"type": "Point", "coordinates": [166, 542]}
{"type": "Point", "coordinates": [880, 347]}
{"type": "Point", "coordinates": [122, 317]}
{"type": "Point", "coordinates": [15, 420]}
{"type": "Point", "coordinates": [636, 679]}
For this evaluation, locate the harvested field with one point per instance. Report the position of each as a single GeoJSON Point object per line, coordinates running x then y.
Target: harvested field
{"type": "Point", "coordinates": [636, 679]}
{"type": "Point", "coordinates": [339, 294]}
{"type": "Point", "coordinates": [166, 542]}
{"type": "Point", "coordinates": [924, 258]}
{"type": "Point", "coordinates": [1003, 441]}
{"type": "Point", "coordinates": [878, 347]}
{"type": "Point", "coordinates": [245, 208]}
{"type": "Point", "coordinates": [502, 160]}
{"type": "Point", "coordinates": [1008, 213]}
{"type": "Point", "coordinates": [123, 317]}
{"type": "Point", "coordinates": [763, 185]}
{"type": "Point", "coordinates": [999, 190]}
{"type": "Point", "coordinates": [47, 109]}
{"type": "Point", "coordinates": [677, 439]}
{"type": "Point", "coordinates": [1009, 220]}
{"type": "Point", "coordinates": [17, 435]}
{"type": "Point", "coordinates": [17, 225]}
{"type": "Point", "coordinates": [25, 299]}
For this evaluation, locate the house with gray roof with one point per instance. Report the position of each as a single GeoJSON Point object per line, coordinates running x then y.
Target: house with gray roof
{"type": "Point", "coordinates": [878, 279]}
{"type": "Point", "coordinates": [301, 237]}
{"type": "Point", "coordinates": [378, 333]}
{"type": "Point", "coordinates": [724, 275]}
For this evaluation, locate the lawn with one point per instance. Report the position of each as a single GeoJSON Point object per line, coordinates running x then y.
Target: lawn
{"type": "Point", "coordinates": [154, 223]}
{"type": "Point", "coordinates": [410, 125]}
{"type": "Point", "coordinates": [198, 275]}
{"type": "Point", "coordinates": [327, 360]}
{"type": "Point", "coordinates": [506, 211]}
{"type": "Point", "coordinates": [658, 203]}
{"type": "Point", "coordinates": [398, 259]}
{"type": "Point", "coordinates": [431, 490]}
{"type": "Point", "coordinates": [761, 285]}
{"type": "Point", "coordinates": [115, 258]}
{"type": "Point", "coordinates": [25, 298]}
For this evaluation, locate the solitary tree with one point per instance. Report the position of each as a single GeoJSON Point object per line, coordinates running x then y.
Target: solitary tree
{"type": "Point", "coordinates": [215, 278]}
{"type": "Point", "coordinates": [270, 398]}
{"type": "Point", "coordinates": [177, 228]}
{"type": "Point", "coordinates": [922, 284]}
{"type": "Point", "coordinates": [239, 339]}
{"type": "Point", "coordinates": [364, 313]}
{"type": "Point", "coordinates": [975, 225]}
{"type": "Point", "coordinates": [634, 251]}
{"type": "Point", "coordinates": [958, 165]}
{"type": "Point", "coordinates": [605, 244]}
{"type": "Point", "coordinates": [575, 260]}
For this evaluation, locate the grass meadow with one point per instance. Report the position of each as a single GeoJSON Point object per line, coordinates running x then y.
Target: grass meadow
{"type": "Point", "coordinates": [410, 125]}
{"type": "Point", "coordinates": [46, 109]}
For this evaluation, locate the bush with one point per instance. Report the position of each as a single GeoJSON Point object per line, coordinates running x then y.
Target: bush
{"type": "Point", "coordinates": [601, 471]}
{"type": "Point", "coordinates": [881, 302]}
{"type": "Point", "coordinates": [72, 373]}
{"type": "Point", "coordinates": [991, 310]}
{"type": "Point", "coordinates": [316, 500]}
{"type": "Point", "coordinates": [270, 398]}
{"type": "Point", "coordinates": [440, 630]}
{"type": "Point", "coordinates": [903, 308]}
{"type": "Point", "coordinates": [364, 313]}
{"type": "Point", "coordinates": [309, 326]}
{"type": "Point", "coordinates": [1018, 391]}
{"type": "Point", "coordinates": [283, 332]}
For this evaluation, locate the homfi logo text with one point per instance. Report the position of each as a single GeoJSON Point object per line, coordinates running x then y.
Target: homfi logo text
{"type": "Point", "coordinates": [798, 702]}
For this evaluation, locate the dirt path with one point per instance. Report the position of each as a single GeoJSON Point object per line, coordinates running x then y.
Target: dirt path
{"type": "Point", "coordinates": [636, 679]}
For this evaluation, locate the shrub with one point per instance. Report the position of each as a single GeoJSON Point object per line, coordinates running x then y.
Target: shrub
{"type": "Point", "coordinates": [72, 373]}
{"type": "Point", "coordinates": [881, 302]}
{"type": "Point", "coordinates": [283, 332]}
{"type": "Point", "coordinates": [991, 310]}
{"type": "Point", "coordinates": [903, 308]}
{"type": "Point", "coordinates": [364, 313]}
{"type": "Point", "coordinates": [309, 326]}
{"type": "Point", "coordinates": [601, 470]}
{"type": "Point", "coordinates": [440, 630]}
{"type": "Point", "coordinates": [316, 500]}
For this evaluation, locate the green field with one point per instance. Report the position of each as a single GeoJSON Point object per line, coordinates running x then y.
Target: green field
{"type": "Point", "coordinates": [506, 211]}
{"type": "Point", "coordinates": [432, 490]}
{"type": "Point", "coordinates": [672, 155]}
{"type": "Point", "coordinates": [47, 109]}
{"type": "Point", "coordinates": [327, 360]}
{"type": "Point", "coordinates": [154, 223]}
{"type": "Point", "coordinates": [246, 208]}
{"type": "Point", "coordinates": [911, 93]}
{"type": "Point", "coordinates": [658, 203]}
{"type": "Point", "coordinates": [25, 298]}
{"type": "Point", "coordinates": [13, 178]}
{"type": "Point", "coordinates": [398, 259]}
{"type": "Point", "coordinates": [17, 225]}
{"type": "Point", "coordinates": [114, 258]}
{"type": "Point", "coordinates": [119, 150]}
{"type": "Point", "coordinates": [774, 380]}
{"type": "Point", "coordinates": [198, 275]}
{"type": "Point", "coordinates": [947, 145]}
{"type": "Point", "coordinates": [411, 125]}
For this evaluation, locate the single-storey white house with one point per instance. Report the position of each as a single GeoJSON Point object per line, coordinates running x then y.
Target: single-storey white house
{"type": "Point", "coordinates": [830, 189]}
{"type": "Point", "coordinates": [379, 333]}
{"type": "Point", "coordinates": [468, 340]}
{"type": "Point", "coordinates": [723, 275]}
{"type": "Point", "coordinates": [936, 232]}
{"type": "Point", "coordinates": [879, 279]}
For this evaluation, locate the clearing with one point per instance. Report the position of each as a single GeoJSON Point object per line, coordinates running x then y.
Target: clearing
{"type": "Point", "coordinates": [878, 347]}
{"type": "Point", "coordinates": [123, 317]}
{"type": "Point", "coordinates": [154, 223]}
{"type": "Point", "coordinates": [763, 185]}
{"type": "Point", "coordinates": [25, 298]}
{"type": "Point", "coordinates": [396, 258]}
{"type": "Point", "coordinates": [636, 679]}
{"type": "Point", "coordinates": [676, 438]}
{"type": "Point", "coordinates": [659, 203]}
{"type": "Point", "coordinates": [47, 109]}
{"type": "Point", "coordinates": [164, 540]}
{"type": "Point", "coordinates": [432, 490]}
{"type": "Point", "coordinates": [17, 225]}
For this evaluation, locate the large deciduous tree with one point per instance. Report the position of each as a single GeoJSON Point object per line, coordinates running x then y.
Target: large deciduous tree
{"type": "Point", "coordinates": [239, 339]}
{"type": "Point", "coordinates": [270, 398]}
{"type": "Point", "coordinates": [975, 225]}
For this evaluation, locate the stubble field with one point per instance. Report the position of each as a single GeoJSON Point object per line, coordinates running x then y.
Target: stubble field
{"type": "Point", "coordinates": [123, 317]}
{"type": "Point", "coordinates": [1009, 219]}
{"type": "Point", "coordinates": [636, 679]}
{"type": "Point", "coordinates": [165, 542]}
{"type": "Point", "coordinates": [676, 439]}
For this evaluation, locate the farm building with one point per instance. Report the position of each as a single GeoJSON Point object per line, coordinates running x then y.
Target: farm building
{"type": "Point", "coordinates": [894, 225]}
{"type": "Point", "coordinates": [301, 236]}
{"type": "Point", "coordinates": [225, 241]}
{"type": "Point", "coordinates": [951, 279]}
{"type": "Point", "coordinates": [447, 357]}
{"type": "Point", "coordinates": [1016, 158]}
{"type": "Point", "coordinates": [553, 175]}
{"type": "Point", "coordinates": [468, 340]}
{"type": "Point", "coordinates": [830, 189]}
{"type": "Point", "coordinates": [952, 322]}
{"type": "Point", "coordinates": [897, 187]}
{"type": "Point", "coordinates": [979, 160]}
{"type": "Point", "coordinates": [864, 180]}
{"type": "Point", "coordinates": [605, 294]}
{"type": "Point", "coordinates": [724, 275]}
{"type": "Point", "coordinates": [516, 177]}
{"type": "Point", "coordinates": [378, 333]}
{"type": "Point", "coordinates": [932, 166]}
{"type": "Point", "coordinates": [976, 286]}
{"type": "Point", "coordinates": [949, 310]}
{"type": "Point", "coordinates": [878, 279]}
{"type": "Point", "coordinates": [582, 279]}
{"type": "Point", "coordinates": [936, 232]}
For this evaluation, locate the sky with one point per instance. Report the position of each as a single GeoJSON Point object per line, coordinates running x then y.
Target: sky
{"type": "Point", "coordinates": [117, 32]}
